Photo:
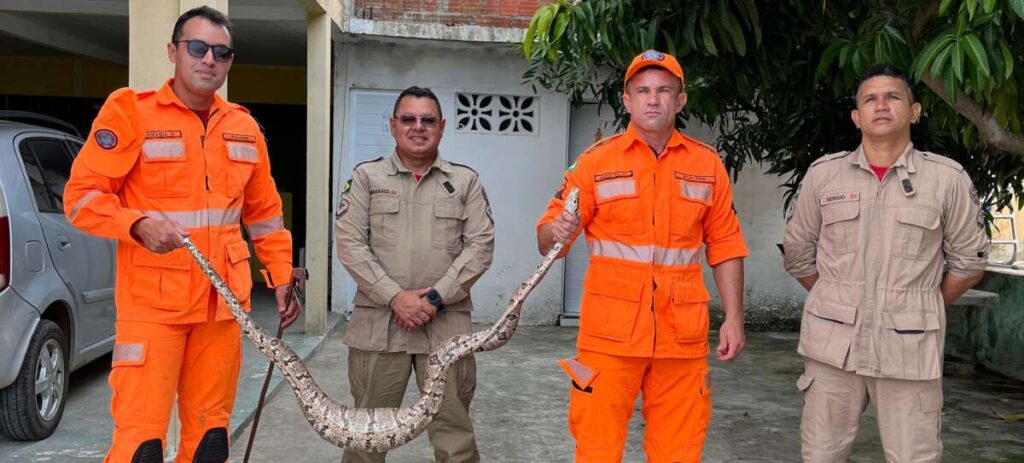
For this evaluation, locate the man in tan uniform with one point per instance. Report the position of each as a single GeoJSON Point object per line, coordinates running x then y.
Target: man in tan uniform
{"type": "Point", "coordinates": [883, 237]}
{"type": "Point", "coordinates": [415, 232]}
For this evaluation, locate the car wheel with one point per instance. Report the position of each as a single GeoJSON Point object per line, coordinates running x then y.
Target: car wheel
{"type": "Point", "coordinates": [31, 407]}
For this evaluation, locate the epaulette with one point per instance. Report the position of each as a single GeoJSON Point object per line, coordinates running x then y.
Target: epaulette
{"type": "Point", "coordinates": [829, 157]}
{"type": "Point", "coordinates": [139, 95]}
{"type": "Point", "coordinates": [234, 106]}
{"type": "Point", "coordinates": [939, 159]}
{"type": "Point", "coordinates": [465, 166]}
{"type": "Point", "coordinates": [602, 142]}
{"type": "Point", "coordinates": [700, 143]}
{"type": "Point", "coordinates": [367, 162]}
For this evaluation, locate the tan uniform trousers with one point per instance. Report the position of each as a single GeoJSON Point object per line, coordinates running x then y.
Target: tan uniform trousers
{"type": "Point", "coordinates": [908, 414]}
{"type": "Point", "coordinates": [379, 379]}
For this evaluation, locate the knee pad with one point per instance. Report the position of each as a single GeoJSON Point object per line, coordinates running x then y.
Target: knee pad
{"type": "Point", "coordinates": [150, 451]}
{"type": "Point", "coordinates": [213, 448]}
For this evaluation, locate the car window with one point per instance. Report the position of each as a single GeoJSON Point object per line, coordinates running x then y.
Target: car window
{"type": "Point", "coordinates": [48, 165]}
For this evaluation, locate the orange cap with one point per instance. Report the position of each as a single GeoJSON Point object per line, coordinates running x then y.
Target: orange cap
{"type": "Point", "coordinates": [654, 58]}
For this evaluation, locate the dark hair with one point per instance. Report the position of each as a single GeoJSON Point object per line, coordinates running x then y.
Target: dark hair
{"type": "Point", "coordinates": [886, 70]}
{"type": "Point", "coordinates": [417, 92]}
{"type": "Point", "coordinates": [205, 12]}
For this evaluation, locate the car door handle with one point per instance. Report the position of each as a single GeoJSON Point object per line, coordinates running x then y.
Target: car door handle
{"type": "Point", "coordinates": [63, 243]}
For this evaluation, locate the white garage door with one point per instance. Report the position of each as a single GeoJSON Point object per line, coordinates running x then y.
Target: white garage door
{"type": "Point", "coordinates": [585, 127]}
{"type": "Point", "coordinates": [368, 137]}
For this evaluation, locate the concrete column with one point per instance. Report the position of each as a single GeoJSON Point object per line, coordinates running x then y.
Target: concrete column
{"type": "Point", "coordinates": [318, 166]}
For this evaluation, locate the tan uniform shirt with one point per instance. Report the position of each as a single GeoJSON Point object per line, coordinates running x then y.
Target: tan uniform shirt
{"type": "Point", "coordinates": [880, 250]}
{"type": "Point", "coordinates": [394, 233]}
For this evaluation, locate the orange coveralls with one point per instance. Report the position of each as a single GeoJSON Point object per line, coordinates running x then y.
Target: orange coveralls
{"type": "Point", "coordinates": [148, 155]}
{"type": "Point", "coordinates": [644, 315]}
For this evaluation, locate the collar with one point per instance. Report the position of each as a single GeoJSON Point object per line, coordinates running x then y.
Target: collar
{"type": "Point", "coordinates": [166, 96]}
{"type": "Point", "coordinates": [633, 136]}
{"type": "Point", "coordinates": [397, 166]}
{"type": "Point", "coordinates": [905, 159]}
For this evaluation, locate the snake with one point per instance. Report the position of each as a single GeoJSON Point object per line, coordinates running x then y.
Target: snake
{"type": "Point", "coordinates": [380, 429]}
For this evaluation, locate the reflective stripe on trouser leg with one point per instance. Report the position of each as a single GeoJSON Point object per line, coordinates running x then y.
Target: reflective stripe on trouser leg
{"type": "Point", "coordinates": [209, 380]}
{"type": "Point", "coordinates": [599, 413]}
{"type": "Point", "coordinates": [677, 409]}
{"type": "Point", "coordinates": [377, 380]}
{"type": "Point", "coordinates": [833, 403]}
{"type": "Point", "coordinates": [143, 379]}
{"type": "Point", "coordinates": [451, 434]}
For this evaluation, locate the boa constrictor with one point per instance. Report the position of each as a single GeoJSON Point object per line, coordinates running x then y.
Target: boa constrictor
{"type": "Point", "coordinates": [379, 429]}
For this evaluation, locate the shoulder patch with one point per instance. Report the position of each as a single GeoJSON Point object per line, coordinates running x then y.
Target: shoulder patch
{"type": "Point", "coordinates": [939, 159]}
{"type": "Point", "coordinates": [346, 187]}
{"type": "Point", "coordinates": [829, 157]}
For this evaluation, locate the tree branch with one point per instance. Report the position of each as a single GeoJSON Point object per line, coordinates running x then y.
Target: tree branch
{"type": "Point", "coordinates": [991, 132]}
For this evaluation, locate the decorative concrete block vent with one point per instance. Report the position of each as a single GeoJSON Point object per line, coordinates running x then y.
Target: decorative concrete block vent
{"type": "Point", "coordinates": [496, 114]}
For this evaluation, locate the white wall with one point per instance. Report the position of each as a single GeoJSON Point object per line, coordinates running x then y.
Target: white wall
{"type": "Point", "coordinates": [520, 173]}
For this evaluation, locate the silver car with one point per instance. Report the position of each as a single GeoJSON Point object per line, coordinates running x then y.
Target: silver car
{"type": "Point", "coordinates": [56, 283]}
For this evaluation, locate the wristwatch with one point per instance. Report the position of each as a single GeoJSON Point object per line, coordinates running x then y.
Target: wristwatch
{"type": "Point", "coordinates": [434, 298]}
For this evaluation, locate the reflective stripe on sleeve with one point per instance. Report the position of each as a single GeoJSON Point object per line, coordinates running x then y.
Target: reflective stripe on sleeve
{"type": "Point", "coordinates": [81, 202]}
{"type": "Point", "coordinates": [264, 227]}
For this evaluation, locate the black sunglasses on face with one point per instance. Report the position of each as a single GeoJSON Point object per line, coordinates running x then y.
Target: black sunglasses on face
{"type": "Point", "coordinates": [198, 49]}
{"type": "Point", "coordinates": [409, 120]}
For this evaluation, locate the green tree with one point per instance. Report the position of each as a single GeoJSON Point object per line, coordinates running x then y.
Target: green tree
{"type": "Point", "coordinates": [776, 78]}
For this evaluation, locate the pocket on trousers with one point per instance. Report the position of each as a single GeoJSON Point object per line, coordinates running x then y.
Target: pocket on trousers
{"type": "Point", "coordinates": [690, 312]}
{"type": "Point", "coordinates": [581, 379]}
{"type": "Point", "coordinates": [162, 281]}
{"type": "Point", "coordinates": [239, 275]}
{"type": "Point", "coordinates": [127, 377]}
{"type": "Point", "coordinates": [610, 307]}
{"type": "Point", "coordinates": [803, 384]}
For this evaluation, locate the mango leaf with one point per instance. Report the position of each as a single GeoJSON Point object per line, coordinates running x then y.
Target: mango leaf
{"type": "Point", "coordinates": [977, 54]}
{"type": "Point", "coordinates": [1018, 7]}
{"type": "Point", "coordinates": [958, 61]}
{"type": "Point", "coordinates": [1007, 60]}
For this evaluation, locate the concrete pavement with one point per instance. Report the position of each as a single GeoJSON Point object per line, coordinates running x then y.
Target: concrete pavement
{"type": "Point", "coordinates": [521, 398]}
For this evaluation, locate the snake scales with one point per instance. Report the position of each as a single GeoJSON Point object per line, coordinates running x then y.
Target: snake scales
{"type": "Point", "coordinates": [380, 429]}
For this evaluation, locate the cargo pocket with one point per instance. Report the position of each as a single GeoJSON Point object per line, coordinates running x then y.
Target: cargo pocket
{"type": "Point", "coordinates": [910, 345]}
{"type": "Point", "coordinates": [827, 330]}
{"type": "Point", "coordinates": [689, 315]}
{"type": "Point", "coordinates": [243, 158]}
{"type": "Point", "coordinates": [447, 227]}
{"type": "Point", "coordinates": [803, 384]}
{"type": "Point", "coordinates": [839, 234]}
{"type": "Point", "coordinates": [239, 275]}
{"type": "Point", "coordinates": [917, 235]}
{"type": "Point", "coordinates": [384, 221]}
{"type": "Point", "coordinates": [162, 281]}
{"type": "Point", "coordinates": [610, 307]}
{"type": "Point", "coordinates": [128, 377]}
{"type": "Point", "coordinates": [165, 171]}
{"type": "Point", "coordinates": [581, 378]}
{"type": "Point", "coordinates": [689, 209]}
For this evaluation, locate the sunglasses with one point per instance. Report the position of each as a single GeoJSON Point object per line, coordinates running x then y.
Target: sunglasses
{"type": "Point", "coordinates": [409, 121]}
{"type": "Point", "coordinates": [198, 49]}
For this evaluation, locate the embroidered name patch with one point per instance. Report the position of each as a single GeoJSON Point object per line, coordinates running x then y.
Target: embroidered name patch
{"type": "Point", "coordinates": [383, 191]}
{"type": "Point", "coordinates": [830, 198]}
{"type": "Point", "coordinates": [611, 175]}
{"type": "Point", "coordinates": [239, 137]}
{"type": "Point", "coordinates": [163, 134]}
{"type": "Point", "coordinates": [695, 178]}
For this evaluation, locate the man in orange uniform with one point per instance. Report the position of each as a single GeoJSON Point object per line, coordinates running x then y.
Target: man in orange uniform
{"type": "Point", "coordinates": [158, 165]}
{"type": "Point", "coordinates": [650, 197]}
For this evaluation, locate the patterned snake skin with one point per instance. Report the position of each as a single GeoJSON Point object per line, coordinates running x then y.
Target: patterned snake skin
{"type": "Point", "coordinates": [379, 429]}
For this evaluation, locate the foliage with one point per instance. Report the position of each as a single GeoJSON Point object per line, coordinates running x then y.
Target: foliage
{"type": "Point", "coordinates": [775, 78]}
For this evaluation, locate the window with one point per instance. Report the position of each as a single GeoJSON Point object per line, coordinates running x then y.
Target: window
{"type": "Point", "coordinates": [48, 165]}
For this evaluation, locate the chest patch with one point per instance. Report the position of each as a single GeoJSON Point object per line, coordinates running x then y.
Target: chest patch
{"type": "Point", "coordinates": [383, 191]}
{"type": "Point", "coordinates": [829, 198]}
{"type": "Point", "coordinates": [239, 137]}
{"type": "Point", "coordinates": [613, 175]}
{"type": "Point", "coordinates": [156, 134]}
{"type": "Point", "coordinates": [695, 178]}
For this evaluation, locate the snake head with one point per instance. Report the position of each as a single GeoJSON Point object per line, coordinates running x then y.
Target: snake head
{"type": "Point", "coordinates": [572, 202]}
